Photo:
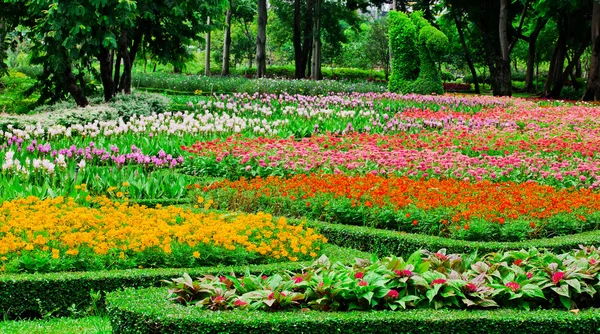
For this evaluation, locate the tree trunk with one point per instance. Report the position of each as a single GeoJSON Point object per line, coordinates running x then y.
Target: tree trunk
{"type": "Point", "coordinates": [592, 92]}
{"type": "Point", "coordinates": [226, 42]}
{"type": "Point", "coordinates": [106, 71]}
{"type": "Point", "coordinates": [307, 46]}
{"type": "Point", "coordinates": [207, 50]}
{"type": "Point", "coordinates": [125, 83]}
{"type": "Point", "coordinates": [503, 86]}
{"type": "Point", "coordinates": [558, 60]}
{"type": "Point", "coordinates": [261, 40]}
{"type": "Point", "coordinates": [316, 55]}
{"type": "Point", "coordinates": [72, 87]}
{"type": "Point", "coordinates": [463, 42]}
{"type": "Point", "coordinates": [560, 82]}
{"type": "Point", "coordinates": [531, 53]}
{"type": "Point", "coordinates": [298, 54]}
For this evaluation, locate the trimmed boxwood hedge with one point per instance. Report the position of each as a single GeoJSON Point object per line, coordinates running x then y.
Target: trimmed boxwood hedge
{"type": "Point", "coordinates": [149, 311]}
{"type": "Point", "coordinates": [34, 295]}
{"type": "Point", "coordinates": [385, 242]}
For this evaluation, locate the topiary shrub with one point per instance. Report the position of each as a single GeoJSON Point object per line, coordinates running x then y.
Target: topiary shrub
{"type": "Point", "coordinates": [409, 35]}
{"type": "Point", "coordinates": [404, 64]}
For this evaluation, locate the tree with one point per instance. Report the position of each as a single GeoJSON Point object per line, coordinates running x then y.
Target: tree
{"type": "Point", "coordinates": [592, 91]}
{"type": "Point", "coordinates": [261, 40]}
{"type": "Point", "coordinates": [227, 41]}
{"type": "Point", "coordinates": [69, 35]}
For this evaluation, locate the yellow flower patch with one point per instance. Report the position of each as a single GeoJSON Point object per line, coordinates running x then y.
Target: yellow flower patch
{"type": "Point", "coordinates": [64, 229]}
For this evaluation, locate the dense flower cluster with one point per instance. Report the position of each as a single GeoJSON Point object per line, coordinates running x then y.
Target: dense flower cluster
{"type": "Point", "coordinates": [117, 235]}
{"type": "Point", "coordinates": [447, 207]}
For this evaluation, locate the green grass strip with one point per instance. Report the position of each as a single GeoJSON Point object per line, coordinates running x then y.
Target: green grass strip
{"type": "Point", "coordinates": [90, 325]}
{"type": "Point", "coordinates": [149, 311]}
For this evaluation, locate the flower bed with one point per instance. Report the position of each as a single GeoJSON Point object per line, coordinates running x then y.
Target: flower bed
{"type": "Point", "coordinates": [515, 279]}
{"type": "Point", "coordinates": [61, 235]}
{"type": "Point", "coordinates": [479, 211]}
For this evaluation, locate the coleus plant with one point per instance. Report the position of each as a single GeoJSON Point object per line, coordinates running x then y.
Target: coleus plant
{"type": "Point", "coordinates": [523, 279]}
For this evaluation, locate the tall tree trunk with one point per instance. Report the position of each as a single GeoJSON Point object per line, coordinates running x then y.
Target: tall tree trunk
{"type": "Point", "coordinates": [72, 87]}
{"type": "Point", "coordinates": [503, 86]}
{"type": "Point", "coordinates": [463, 42]}
{"type": "Point", "coordinates": [298, 54]}
{"type": "Point", "coordinates": [106, 71]}
{"type": "Point", "coordinates": [560, 82]}
{"type": "Point", "coordinates": [316, 55]}
{"type": "Point", "coordinates": [226, 42]}
{"type": "Point", "coordinates": [307, 45]}
{"type": "Point", "coordinates": [125, 83]}
{"type": "Point", "coordinates": [261, 40]}
{"type": "Point", "coordinates": [531, 53]}
{"type": "Point", "coordinates": [207, 50]}
{"type": "Point", "coordinates": [555, 72]}
{"type": "Point", "coordinates": [592, 91]}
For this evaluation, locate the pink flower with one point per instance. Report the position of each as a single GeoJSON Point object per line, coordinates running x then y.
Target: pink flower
{"type": "Point", "coordinates": [403, 273]}
{"type": "Point", "coordinates": [362, 282]}
{"type": "Point", "coordinates": [218, 299]}
{"type": "Point", "coordinates": [558, 276]}
{"type": "Point", "coordinates": [471, 287]}
{"type": "Point", "coordinates": [529, 275]}
{"type": "Point", "coordinates": [239, 303]}
{"type": "Point", "coordinates": [438, 281]}
{"type": "Point", "coordinates": [593, 261]}
{"type": "Point", "coordinates": [514, 286]}
{"type": "Point", "coordinates": [298, 280]}
{"type": "Point", "coordinates": [441, 256]}
{"type": "Point", "coordinates": [393, 294]}
{"type": "Point", "coordinates": [359, 275]}
{"type": "Point", "coordinates": [264, 277]}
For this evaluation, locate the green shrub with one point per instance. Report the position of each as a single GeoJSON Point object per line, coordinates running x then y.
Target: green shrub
{"type": "Point", "coordinates": [32, 295]}
{"type": "Point", "coordinates": [149, 311]}
{"type": "Point", "coordinates": [408, 35]}
{"type": "Point", "coordinates": [383, 242]}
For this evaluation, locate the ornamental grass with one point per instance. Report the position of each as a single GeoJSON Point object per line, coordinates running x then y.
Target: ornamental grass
{"type": "Point", "coordinates": [60, 234]}
{"type": "Point", "coordinates": [460, 209]}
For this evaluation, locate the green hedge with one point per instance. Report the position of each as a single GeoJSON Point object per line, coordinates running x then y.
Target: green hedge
{"type": "Point", "coordinates": [384, 242]}
{"type": "Point", "coordinates": [149, 311]}
{"type": "Point", "coordinates": [34, 295]}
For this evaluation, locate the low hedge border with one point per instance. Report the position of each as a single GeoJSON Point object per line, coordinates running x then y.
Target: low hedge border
{"type": "Point", "coordinates": [35, 295]}
{"type": "Point", "coordinates": [385, 242]}
{"type": "Point", "coordinates": [149, 311]}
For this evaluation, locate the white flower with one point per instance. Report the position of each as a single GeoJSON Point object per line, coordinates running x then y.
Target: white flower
{"type": "Point", "coordinates": [81, 164]}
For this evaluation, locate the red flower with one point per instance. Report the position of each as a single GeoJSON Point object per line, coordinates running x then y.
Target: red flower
{"type": "Point", "coordinates": [393, 294]}
{"type": "Point", "coordinates": [298, 280]}
{"type": "Point", "coordinates": [271, 296]}
{"type": "Point", "coordinates": [441, 256]}
{"type": "Point", "coordinates": [359, 275]}
{"type": "Point", "coordinates": [415, 222]}
{"type": "Point", "coordinates": [321, 283]}
{"type": "Point", "coordinates": [471, 287]}
{"type": "Point", "coordinates": [218, 299]}
{"type": "Point", "coordinates": [514, 286]}
{"type": "Point", "coordinates": [518, 262]}
{"type": "Point", "coordinates": [362, 282]}
{"type": "Point", "coordinates": [307, 204]}
{"type": "Point", "coordinates": [403, 273]}
{"type": "Point", "coordinates": [593, 261]}
{"type": "Point", "coordinates": [438, 281]}
{"type": "Point", "coordinates": [529, 275]}
{"type": "Point", "coordinates": [222, 279]}
{"type": "Point", "coordinates": [558, 276]}
{"type": "Point", "coordinates": [239, 303]}
{"type": "Point", "coordinates": [264, 277]}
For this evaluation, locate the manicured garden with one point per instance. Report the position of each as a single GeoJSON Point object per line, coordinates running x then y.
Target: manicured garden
{"type": "Point", "coordinates": [353, 210]}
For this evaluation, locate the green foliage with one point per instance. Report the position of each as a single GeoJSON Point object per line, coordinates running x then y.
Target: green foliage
{"type": "Point", "coordinates": [403, 38]}
{"type": "Point", "coordinates": [147, 310]}
{"type": "Point", "coordinates": [406, 36]}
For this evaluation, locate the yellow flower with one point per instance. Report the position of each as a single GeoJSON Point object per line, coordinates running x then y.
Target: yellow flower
{"type": "Point", "coordinates": [119, 194]}
{"type": "Point", "coordinates": [200, 199]}
{"type": "Point", "coordinates": [29, 247]}
{"type": "Point", "coordinates": [125, 184]}
{"type": "Point", "coordinates": [196, 254]}
{"type": "Point", "coordinates": [111, 189]}
{"type": "Point", "coordinates": [4, 258]}
{"type": "Point", "coordinates": [72, 251]}
{"type": "Point", "coordinates": [55, 253]}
